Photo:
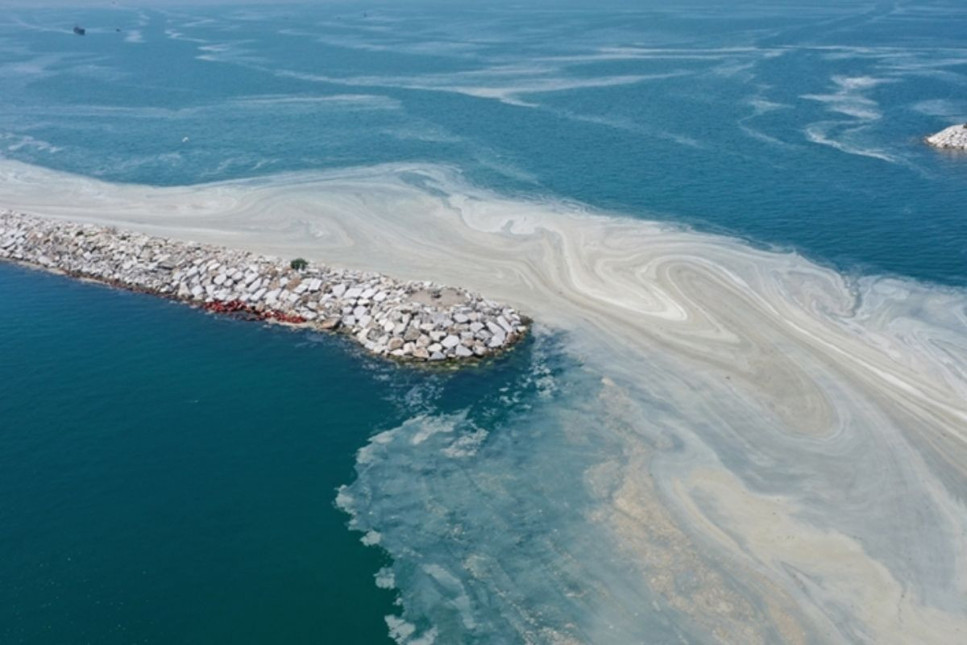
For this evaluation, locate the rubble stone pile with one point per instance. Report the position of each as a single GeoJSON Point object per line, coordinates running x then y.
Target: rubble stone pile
{"type": "Point", "coordinates": [414, 321]}
{"type": "Point", "coordinates": [952, 138]}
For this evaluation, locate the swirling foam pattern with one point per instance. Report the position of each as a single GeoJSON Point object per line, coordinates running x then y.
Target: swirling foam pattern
{"type": "Point", "coordinates": [738, 445]}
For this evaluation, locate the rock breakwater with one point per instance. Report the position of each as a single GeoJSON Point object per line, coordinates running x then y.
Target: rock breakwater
{"type": "Point", "coordinates": [952, 138]}
{"type": "Point", "coordinates": [410, 321]}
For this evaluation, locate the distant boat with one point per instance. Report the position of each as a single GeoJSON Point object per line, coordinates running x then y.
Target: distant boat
{"type": "Point", "coordinates": [80, 31]}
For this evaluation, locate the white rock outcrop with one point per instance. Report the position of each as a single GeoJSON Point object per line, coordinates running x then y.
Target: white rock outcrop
{"type": "Point", "coordinates": [413, 321]}
{"type": "Point", "coordinates": [954, 137]}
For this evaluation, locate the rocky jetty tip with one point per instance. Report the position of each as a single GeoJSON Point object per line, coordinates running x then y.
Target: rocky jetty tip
{"type": "Point", "coordinates": [952, 138]}
{"type": "Point", "coordinates": [407, 321]}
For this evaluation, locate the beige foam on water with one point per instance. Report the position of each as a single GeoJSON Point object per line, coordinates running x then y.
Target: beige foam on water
{"type": "Point", "coordinates": [814, 488]}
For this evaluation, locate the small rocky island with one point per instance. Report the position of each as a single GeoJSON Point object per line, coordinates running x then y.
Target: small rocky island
{"type": "Point", "coordinates": [409, 321]}
{"type": "Point", "coordinates": [952, 138]}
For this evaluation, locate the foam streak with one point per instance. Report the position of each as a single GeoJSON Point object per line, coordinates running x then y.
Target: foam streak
{"type": "Point", "coordinates": [778, 453]}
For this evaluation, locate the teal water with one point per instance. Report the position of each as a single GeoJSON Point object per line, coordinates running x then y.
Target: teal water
{"type": "Point", "coordinates": [171, 477]}
{"type": "Point", "coordinates": [140, 475]}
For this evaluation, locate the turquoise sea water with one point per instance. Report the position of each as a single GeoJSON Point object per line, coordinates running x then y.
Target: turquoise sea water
{"type": "Point", "coordinates": [167, 476]}
{"type": "Point", "coordinates": [171, 478]}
